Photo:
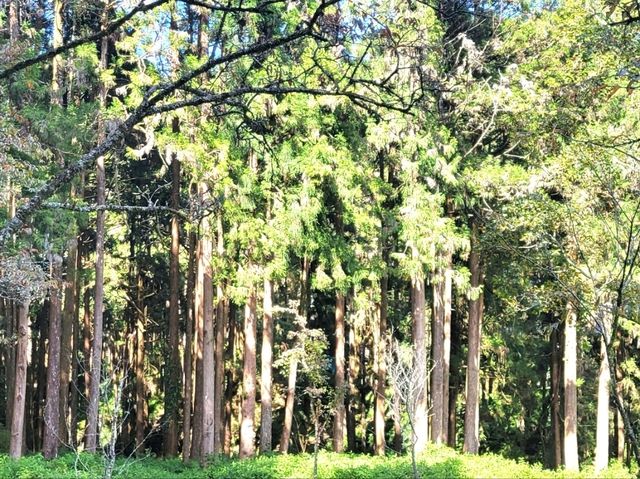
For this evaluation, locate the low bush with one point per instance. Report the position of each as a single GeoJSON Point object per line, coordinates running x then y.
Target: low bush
{"type": "Point", "coordinates": [436, 462]}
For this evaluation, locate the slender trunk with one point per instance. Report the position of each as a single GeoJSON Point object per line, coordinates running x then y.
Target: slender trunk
{"type": "Point", "coordinates": [231, 384]}
{"type": "Point", "coordinates": [303, 310]}
{"type": "Point", "coordinates": [437, 348]}
{"type": "Point", "coordinates": [52, 406]}
{"type": "Point", "coordinates": [173, 374]}
{"type": "Point", "coordinates": [381, 373]}
{"type": "Point", "coordinates": [288, 411]}
{"type": "Point", "coordinates": [40, 384]}
{"type": "Point", "coordinates": [353, 369]}
{"type": "Point", "coordinates": [141, 390]}
{"type": "Point", "coordinates": [10, 366]}
{"type": "Point", "coordinates": [446, 342]}
{"type": "Point", "coordinates": [476, 310]}
{"type": "Point", "coordinates": [602, 424]}
{"type": "Point", "coordinates": [91, 435]}
{"type": "Point", "coordinates": [339, 418]}
{"type": "Point", "coordinates": [67, 335]}
{"type": "Point", "coordinates": [620, 435]}
{"type": "Point", "coordinates": [452, 418]}
{"type": "Point", "coordinates": [86, 341]}
{"type": "Point", "coordinates": [188, 348]}
{"type": "Point", "coordinates": [20, 385]}
{"type": "Point", "coordinates": [75, 350]}
{"type": "Point", "coordinates": [196, 442]}
{"type": "Point", "coordinates": [570, 390]}
{"type": "Point", "coordinates": [247, 432]}
{"type": "Point", "coordinates": [58, 60]}
{"type": "Point", "coordinates": [420, 357]}
{"type": "Point", "coordinates": [208, 340]}
{"type": "Point", "coordinates": [221, 324]}
{"type": "Point", "coordinates": [556, 418]}
{"type": "Point", "coordinates": [266, 412]}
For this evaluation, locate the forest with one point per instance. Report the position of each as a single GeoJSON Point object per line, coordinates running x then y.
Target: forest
{"type": "Point", "coordinates": [319, 238]}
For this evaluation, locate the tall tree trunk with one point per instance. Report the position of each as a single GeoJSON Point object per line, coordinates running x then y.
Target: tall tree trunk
{"type": "Point", "coordinates": [208, 336]}
{"type": "Point", "coordinates": [20, 385]}
{"type": "Point", "coordinates": [141, 389]}
{"type": "Point", "coordinates": [421, 423]}
{"type": "Point", "coordinates": [446, 342]}
{"type": "Point", "coordinates": [67, 337]}
{"type": "Point", "coordinates": [91, 435]}
{"type": "Point", "coordinates": [58, 60]}
{"type": "Point", "coordinates": [266, 413]}
{"type": "Point", "coordinates": [52, 405]}
{"type": "Point", "coordinates": [438, 351]}
{"type": "Point", "coordinates": [620, 436]}
{"type": "Point", "coordinates": [476, 310]}
{"type": "Point", "coordinates": [196, 442]}
{"type": "Point", "coordinates": [556, 418]}
{"type": "Point", "coordinates": [188, 348]}
{"type": "Point", "coordinates": [247, 432]}
{"type": "Point", "coordinates": [602, 423]}
{"type": "Point", "coordinates": [221, 325]}
{"type": "Point", "coordinates": [570, 390]}
{"type": "Point", "coordinates": [352, 354]}
{"type": "Point", "coordinates": [10, 366]}
{"type": "Point", "coordinates": [173, 374]}
{"type": "Point", "coordinates": [340, 413]}
{"type": "Point", "coordinates": [229, 391]}
{"type": "Point", "coordinates": [381, 373]}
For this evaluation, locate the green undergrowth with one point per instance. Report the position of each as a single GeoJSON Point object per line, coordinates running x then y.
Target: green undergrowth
{"type": "Point", "coordinates": [434, 463]}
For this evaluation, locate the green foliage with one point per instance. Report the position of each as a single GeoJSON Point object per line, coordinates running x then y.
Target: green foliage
{"type": "Point", "coordinates": [435, 462]}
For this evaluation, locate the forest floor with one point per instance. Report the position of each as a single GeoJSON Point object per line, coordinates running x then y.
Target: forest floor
{"type": "Point", "coordinates": [438, 462]}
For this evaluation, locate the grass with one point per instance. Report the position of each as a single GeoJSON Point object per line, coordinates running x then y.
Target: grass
{"type": "Point", "coordinates": [436, 462]}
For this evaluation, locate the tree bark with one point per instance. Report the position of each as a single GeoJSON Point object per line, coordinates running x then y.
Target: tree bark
{"type": "Point", "coordinates": [67, 336]}
{"type": "Point", "coordinates": [266, 412]}
{"type": "Point", "coordinates": [476, 310]}
{"type": "Point", "coordinates": [420, 354]}
{"type": "Point", "coordinates": [340, 413]}
{"type": "Point", "coordinates": [221, 325]}
{"type": "Point", "coordinates": [196, 442]}
{"type": "Point", "coordinates": [20, 385]}
{"type": "Point", "coordinates": [141, 389]}
{"type": "Point", "coordinates": [173, 374]}
{"type": "Point", "coordinates": [288, 411]}
{"type": "Point", "coordinates": [208, 336]}
{"type": "Point", "coordinates": [188, 348]}
{"type": "Point", "coordinates": [556, 418]}
{"type": "Point", "coordinates": [58, 60]}
{"type": "Point", "coordinates": [437, 348]}
{"type": "Point", "coordinates": [91, 435]}
{"type": "Point", "coordinates": [602, 423]}
{"type": "Point", "coordinates": [14, 20]}
{"type": "Point", "coordinates": [381, 373]}
{"type": "Point", "coordinates": [52, 405]}
{"type": "Point", "coordinates": [446, 342]}
{"type": "Point", "coordinates": [571, 462]}
{"type": "Point", "coordinates": [247, 431]}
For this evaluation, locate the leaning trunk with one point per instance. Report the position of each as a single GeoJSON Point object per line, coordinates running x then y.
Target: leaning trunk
{"type": "Point", "coordinates": [556, 418]}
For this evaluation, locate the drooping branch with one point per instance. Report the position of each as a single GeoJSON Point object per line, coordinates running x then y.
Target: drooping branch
{"type": "Point", "coordinates": [146, 108]}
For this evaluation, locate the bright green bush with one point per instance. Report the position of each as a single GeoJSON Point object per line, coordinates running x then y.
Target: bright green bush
{"type": "Point", "coordinates": [436, 462]}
